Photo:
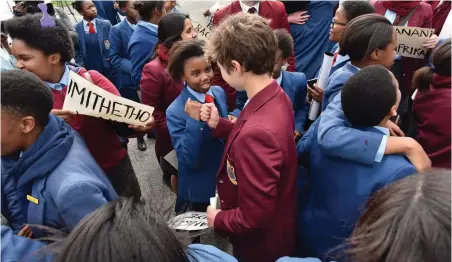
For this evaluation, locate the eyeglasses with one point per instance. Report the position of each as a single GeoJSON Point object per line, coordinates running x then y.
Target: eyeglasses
{"type": "Point", "coordinates": [333, 22]}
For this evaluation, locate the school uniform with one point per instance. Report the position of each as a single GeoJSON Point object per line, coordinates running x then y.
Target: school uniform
{"type": "Point", "coordinates": [159, 91]}
{"type": "Point", "coordinates": [336, 81]}
{"type": "Point", "coordinates": [58, 182]}
{"type": "Point", "coordinates": [94, 47]}
{"type": "Point", "coordinates": [120, 35]}
{"type": "Point", "coordinates": [99, 135]}
{"type": "Point", "coordinates": [311, 40]}
{"type": "Point", "coordinates": [198, 152]}
{"type": "Point", "coordinates": [339, 61]}
{"type": "Point", "coordinates": [106, 10]}
{"type": "Point", "coordinates": [141, 48]}
{"type": "Point", "coordinates": [338, 189]}
{"type": "Point", "coordinates": [272, 10]}
{"type": "Point", "coordinates": [294, 85]}
{"type": "Point", "coordinates": [434, 122]}
{"type": "Point", "coordinates": [257, 177]}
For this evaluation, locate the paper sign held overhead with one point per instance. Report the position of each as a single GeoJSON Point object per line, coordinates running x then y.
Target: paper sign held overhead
{"type": "Point", "coordinates": [85, 98]}
{"type": "Point", "coordinates": [190, 221]}
{"type": "Point", "coordinates": [410, 40]}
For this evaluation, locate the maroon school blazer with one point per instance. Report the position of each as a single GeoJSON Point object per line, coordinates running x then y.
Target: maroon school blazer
{"type": "Point", "coordinates": [432, 109]}
{"type": "Point", "coordinates": [257, 178]}
{"type": "Point", "coordinates": [273, 10]}
{"type": "Point", "coordinates": [159, 91]}
{"type": "Point", "coordinates": [422, 17]}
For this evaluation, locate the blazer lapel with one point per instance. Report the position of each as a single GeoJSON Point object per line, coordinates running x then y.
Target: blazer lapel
{"type": "Point", "coordinates": [100, 34]}
{"type": "Point", "coordinates": [221, 106]}
{"type": "Point", "coordinates": [81, 36]}
{"type": "Point", "coordinates": [36, 210]}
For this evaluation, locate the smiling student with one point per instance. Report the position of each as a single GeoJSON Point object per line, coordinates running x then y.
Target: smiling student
{"type": "Point", "coordinates": [45, 51]}
{"type": "Point", "coordinates": [198, 152]}
{"type": "Point", "coordinates": [93, 51]}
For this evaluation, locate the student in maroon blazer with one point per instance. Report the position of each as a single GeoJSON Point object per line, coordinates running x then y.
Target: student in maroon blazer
{"type": "Point", "coordinates": [272, 10]}
{"type": "Point", "coordinates": [158, 90]}
{"type": "Point", "coordinates": [432, 107]}
{"type": "Point", "coordinates": [257, 177]}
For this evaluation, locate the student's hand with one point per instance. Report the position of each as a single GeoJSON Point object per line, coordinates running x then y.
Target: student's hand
{"type": "Point", "coordinates": [299, 18]}
{"type": "Point", "coordinates": [316, 93]}
{"type": "Point", "coordinates": [193, 109]}
{"type": "Point", "coordinates": [66, 115]}
{"type": "Point", "coordinates": [209, 114]}
{"type": "Point", "coordinates": [232, 118]}
{"type": "Point", "coordinates": [25, 232]}
{"type": "Point", "coordinates": [146, 128]}
{"type": "Point", "coordinates": [211, 214]}
{"type": "Point", "coordinates": [431, 42]}
{"type": "Point", "coordinates": [417, 156]}
{"type": "Point", "coordinates": [296, 135]}
{"type": "Point", "coordinates": [394, 129]}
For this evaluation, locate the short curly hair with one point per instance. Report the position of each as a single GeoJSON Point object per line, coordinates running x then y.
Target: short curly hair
{"type": "Point", "coordinates": [247, 39]}
{"type": "Point", "coordinates": [49, 40]}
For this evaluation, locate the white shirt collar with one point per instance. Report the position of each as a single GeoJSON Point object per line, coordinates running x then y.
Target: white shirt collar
{"type": "Point", "coordinates": [85, 23]}
{"type": "Point", "coordinates": [245, 8]}
{"type": "Point", "coordinates": [279, 79]}
{"type": "Point", "coordinates": [133, 26]}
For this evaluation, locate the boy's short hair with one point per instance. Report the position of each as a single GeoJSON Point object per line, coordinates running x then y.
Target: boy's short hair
{"type": "Point", "coordinates": [181, 52]}
{"type": "Point", "coordinates": [24, 94]}
{"type": "Point", "coordinates": [49, 40]}
{"type": "Point", "coordinates": [368, 96]}
{"type": "Point", "coordinates": [365, 34]}
{"type": "Point", "coordinates": [354, 9]}
{"type": "Point", "coordinates": [247, 39]}
{"type": "Point", "coordinates": [285, 42]}
{"type": "Point", "coordinates": [78, 5]}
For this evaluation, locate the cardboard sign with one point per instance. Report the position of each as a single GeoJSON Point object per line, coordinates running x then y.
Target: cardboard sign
{"type": "Point", "coordinates": [191, 221]}
{"type": "Point", "coordinates": [85, 98]}
{"type": "Point", "coordinates": [410, 39]}
{"type": "Point", "coordinates": [196, 9]}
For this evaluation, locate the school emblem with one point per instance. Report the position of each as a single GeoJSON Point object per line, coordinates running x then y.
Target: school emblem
{"type": "Point", "coordinates": [107, 44]}
{"type": "Point", "coordinates": [231, 172]}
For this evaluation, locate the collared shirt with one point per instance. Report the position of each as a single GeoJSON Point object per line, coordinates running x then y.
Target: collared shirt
{"type": "Point", "coordinates": [8, 62]}
{"type": "Point", "coordinates": [384, 142]}
{"type": "Point", "coordinates": [63, 82]}
{"type": "Point", "coordinates": [245, 8]}
{"type": "Point", "coordinates": [86, 26]}
{"type": "Point", "coordinates": [149, 26]}
{"type": "Point", "coordinates": [133, 26]}
{"type": "Point", "coordinates": [279, 79]}
{"type": "Point", "coordinates": [199, 96]}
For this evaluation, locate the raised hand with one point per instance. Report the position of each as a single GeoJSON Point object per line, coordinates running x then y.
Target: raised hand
{"type": "Point", "coordinates": [209, 114]}
{"type": "Point", "coordinates": [193, 109]}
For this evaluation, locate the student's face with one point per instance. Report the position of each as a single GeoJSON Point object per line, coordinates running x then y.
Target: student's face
{"type": "Point", "coordinates": [399, 95]}
{"type": "Point", "coordinates": [33, 60]}
{"type": "Point", "coordinates": [13, 132]}
{"type": "Point", "coordinates": [338, 27]}
{"type": "Point", "coordinates": [189, 32]}
{"type": "Point", "coordinates": [198, 73]}
{"type": "Point", "coordinates": [279, 63]}
{"type": "Point", "coordinates": [234, 77]}
{"type": "Point", "coordinates": [386, 56]}
{"type": "Point", "coordinates": [131, 12]}
{"type": "Point", "coordinates": [89, 10]}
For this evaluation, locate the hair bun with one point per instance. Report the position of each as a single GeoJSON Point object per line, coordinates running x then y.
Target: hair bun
{"type": "Point", "coordinates": [138, 5]}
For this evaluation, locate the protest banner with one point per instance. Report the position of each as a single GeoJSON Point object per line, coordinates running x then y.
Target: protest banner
{"type": "Point", "coordinates": [85, 98]}
{"type": "Point", "coordinates": [410, 40]}
{"type": "Point", "coordinates": [190, 221]}
{"type": "Point", "coordinates": [196, 9]}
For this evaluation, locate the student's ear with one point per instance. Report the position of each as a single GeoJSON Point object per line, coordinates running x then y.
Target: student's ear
{"type": "Point", "coordinates": [55, 58]}
{"type": "Point", "coordinates": [375, 54]}
{"type": "Point", "coordinates": [237, 66]}
{"type": "Point", "coordinates": [393, 111]}
{"type": "Point", "coordinates": [27, 124]}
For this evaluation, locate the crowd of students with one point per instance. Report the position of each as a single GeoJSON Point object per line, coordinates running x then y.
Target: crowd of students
{"type": "Point", "coordinates": [355, 184]}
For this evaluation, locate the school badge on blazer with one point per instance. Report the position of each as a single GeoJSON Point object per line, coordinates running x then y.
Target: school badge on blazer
{"type": "Point", "coordinates": [231, 172]}
{"type": "Point", "coordinates": [107, 44]}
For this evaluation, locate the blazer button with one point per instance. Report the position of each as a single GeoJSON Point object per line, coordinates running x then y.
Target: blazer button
{"type": "Point", "coordinates": [220, 181]}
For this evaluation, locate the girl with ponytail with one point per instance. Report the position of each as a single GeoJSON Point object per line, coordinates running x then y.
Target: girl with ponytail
{"type": "Point", "coordinates": [432, 107]}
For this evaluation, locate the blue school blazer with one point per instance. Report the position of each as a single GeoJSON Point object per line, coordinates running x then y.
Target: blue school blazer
{"type": "Point", "coordinates": [120, 35]}
{"type": "Point", "coordinates": [141, 48]}
{"type": "Point", "coordinates": [198, 152]}
{"type": "Point", "coordinates": [338, 191]}
{"type": "Point", "coordinates": [294, 85]}
{"type": "Point", "coordinates": [336, 82]}
{"type": "Point", "coordinates": [103, 32]}
{"type": "Point", "coordinates": [106, 10]}
{"type": "Point", "coordinates": [338, 65]}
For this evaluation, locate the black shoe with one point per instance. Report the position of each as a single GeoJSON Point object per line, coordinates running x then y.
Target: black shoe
{"type": "Point", "coordinates": [141, 144]}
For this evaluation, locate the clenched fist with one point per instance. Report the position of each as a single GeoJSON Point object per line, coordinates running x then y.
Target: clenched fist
{"type": "Point", "coordinates": [193, 109]}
